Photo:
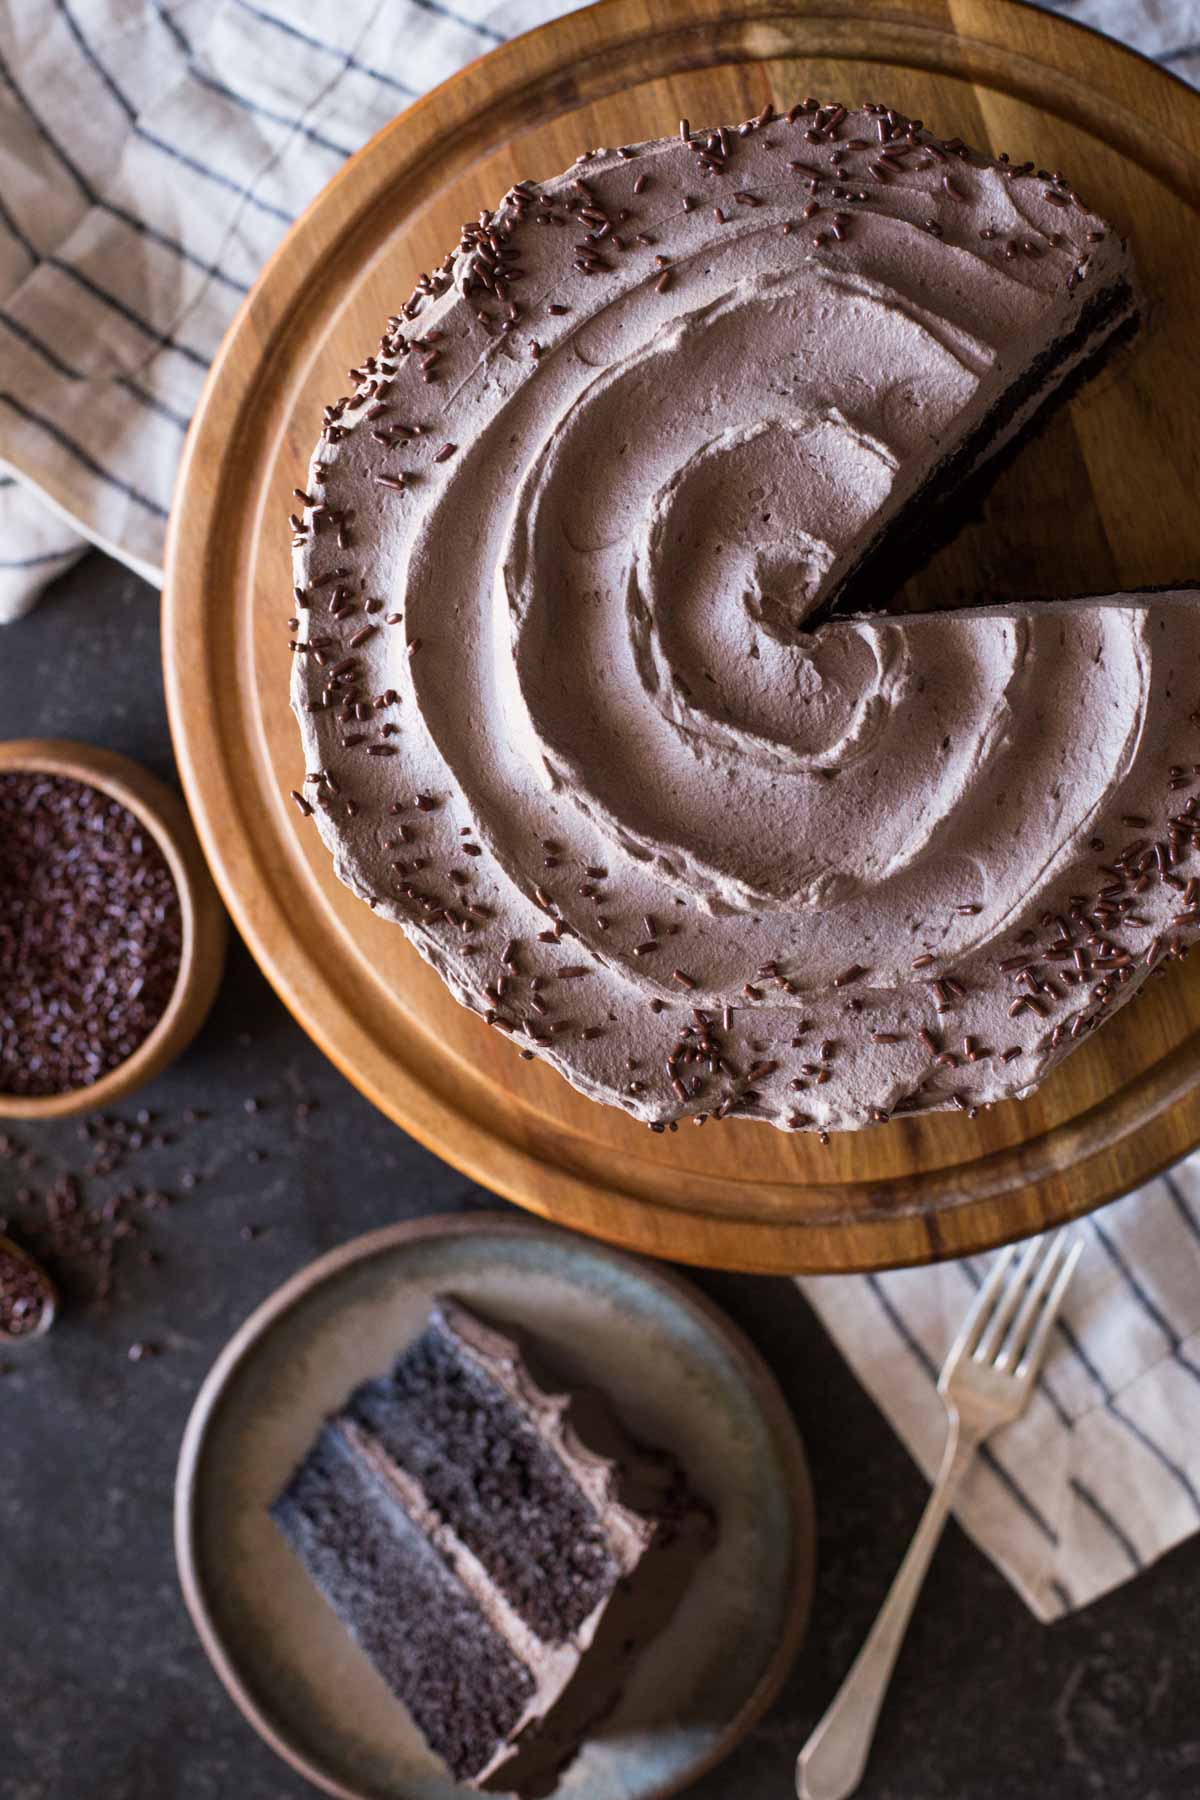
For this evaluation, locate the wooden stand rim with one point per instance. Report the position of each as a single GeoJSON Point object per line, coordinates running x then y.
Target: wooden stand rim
{"type": "Point", "coordinates": [770, 1207]}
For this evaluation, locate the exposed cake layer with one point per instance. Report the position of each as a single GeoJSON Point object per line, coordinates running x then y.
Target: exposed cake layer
{"type": "Point", "coordinates": [426, 1634]}
{"type": "Point", "coordinates": [485, 1460]}
{"type": "Point", "coordinates": [462, 1457]}
{"type": "Point", "coordinates": [910, 538]}
{"type": "Point", "coordinates": [563, 717]}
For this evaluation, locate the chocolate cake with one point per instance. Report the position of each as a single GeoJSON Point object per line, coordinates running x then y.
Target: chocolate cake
{"type": "Point", "coordinates": [500, 1552]}
{"type": "Point", "coordinates": [582, 707]}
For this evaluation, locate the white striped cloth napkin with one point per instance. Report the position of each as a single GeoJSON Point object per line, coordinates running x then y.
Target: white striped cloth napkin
{"type": "Point", "coordinates": [152, 154]}
{"type": "Point", "coordinates": [1101, 1474]}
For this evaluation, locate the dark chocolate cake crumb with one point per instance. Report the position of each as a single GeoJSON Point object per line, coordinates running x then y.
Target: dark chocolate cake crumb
{"type": "Point", "coordinates": [478, 1460]}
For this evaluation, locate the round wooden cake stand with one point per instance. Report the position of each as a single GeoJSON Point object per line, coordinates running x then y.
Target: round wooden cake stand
{"type": "Point", "coordinates": [1105, 498]}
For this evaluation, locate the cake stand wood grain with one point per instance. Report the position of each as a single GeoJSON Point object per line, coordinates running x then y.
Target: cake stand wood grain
{"type": "Point", "coordinates": [1103, 499]}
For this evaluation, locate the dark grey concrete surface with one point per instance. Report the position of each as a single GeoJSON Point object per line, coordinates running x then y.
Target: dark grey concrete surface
{"type": "Point", "coordinates": [104, 1690]}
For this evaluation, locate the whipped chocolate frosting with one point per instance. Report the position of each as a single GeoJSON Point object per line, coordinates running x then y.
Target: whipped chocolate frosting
{"type": "Point", "coordinates": [570, 712]}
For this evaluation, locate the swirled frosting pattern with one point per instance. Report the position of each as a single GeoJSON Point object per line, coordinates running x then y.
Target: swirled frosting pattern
{"type": "Point", "coordinates": [575, 714]}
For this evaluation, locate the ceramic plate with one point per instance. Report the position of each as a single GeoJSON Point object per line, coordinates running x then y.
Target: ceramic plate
{"type": "Point", "coordinates": [680, 1375]}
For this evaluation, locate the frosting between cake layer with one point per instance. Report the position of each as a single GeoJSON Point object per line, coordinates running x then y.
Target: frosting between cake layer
{"type": "Point", "coordinates": [601, 1478]}
{"type": "Point", "coordinates": [551, 1666]}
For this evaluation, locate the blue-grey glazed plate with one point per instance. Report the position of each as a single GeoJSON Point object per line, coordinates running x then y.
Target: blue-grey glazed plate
{"type": "Point", "coordinates": [680, 1375]}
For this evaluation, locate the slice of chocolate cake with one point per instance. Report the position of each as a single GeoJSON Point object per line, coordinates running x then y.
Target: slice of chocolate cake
{"type": "Point", "coordinates": [499, 1551]}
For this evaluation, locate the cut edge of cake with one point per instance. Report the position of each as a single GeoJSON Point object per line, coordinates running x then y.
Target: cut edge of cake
{"type": "Point", "coordinates": [961, 482]}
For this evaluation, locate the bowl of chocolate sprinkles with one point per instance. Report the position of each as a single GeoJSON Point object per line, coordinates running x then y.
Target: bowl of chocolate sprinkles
{"type": "Point", "coordinates": [112, 936]}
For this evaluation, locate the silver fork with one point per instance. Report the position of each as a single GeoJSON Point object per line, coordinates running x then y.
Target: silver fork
{"type": "Point", "coordinates": [986, 1382]}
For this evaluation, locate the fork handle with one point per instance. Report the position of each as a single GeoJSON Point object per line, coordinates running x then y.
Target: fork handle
{"type": "Point", "coordinates": [831, 1764]}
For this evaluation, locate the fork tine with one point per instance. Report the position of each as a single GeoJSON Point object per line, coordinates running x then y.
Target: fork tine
{"type": "Point", "coordinates": [1031, 1361]}
{"type": "Point", "coordinates": [985, 1301]}
{"type": "Point", "coordinates": [1031, 1256]}
{"type": "Point", "coordinates": [1018, 1336]}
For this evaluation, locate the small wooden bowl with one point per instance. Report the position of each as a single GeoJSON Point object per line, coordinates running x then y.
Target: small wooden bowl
{"type": "Point", "coordinates": [205, 927]}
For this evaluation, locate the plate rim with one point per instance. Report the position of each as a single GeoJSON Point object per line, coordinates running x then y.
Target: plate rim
{"type": "Point", "coordinates": [913, 1217]}
{"type": "Point", "coordinates": [764, 1386]}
